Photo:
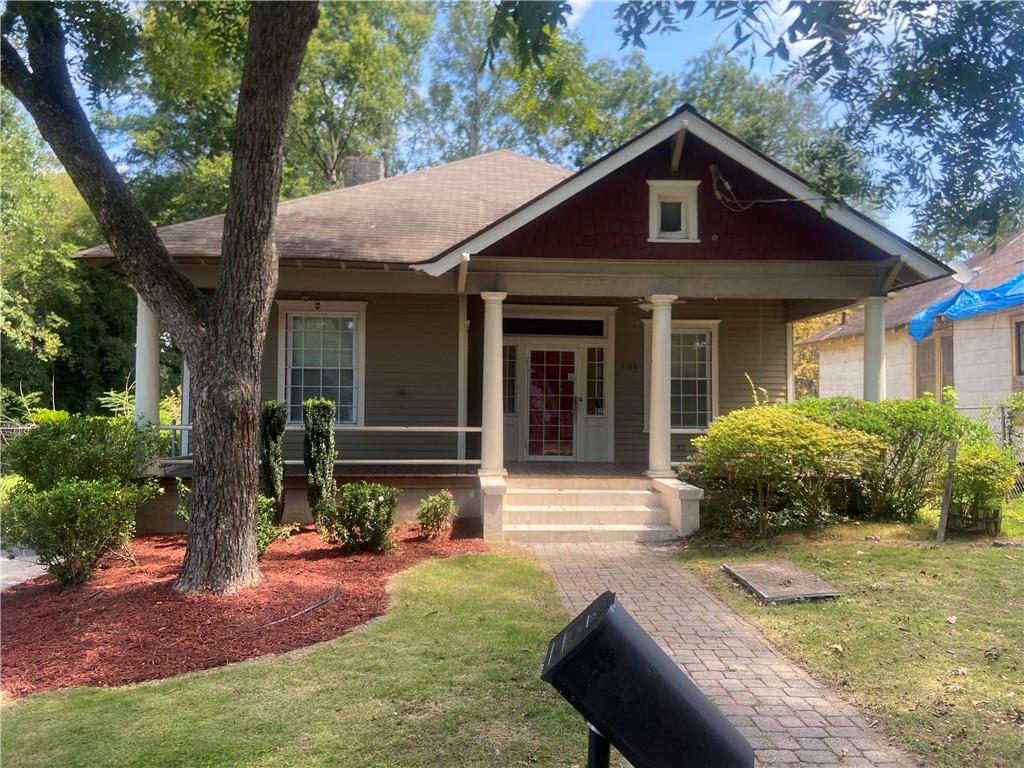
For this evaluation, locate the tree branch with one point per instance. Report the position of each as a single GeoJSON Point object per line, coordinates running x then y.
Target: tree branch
{"type": "Point", "coordinates": [48, 94]}
{"type": "Point", "coordinates": [278, 34]}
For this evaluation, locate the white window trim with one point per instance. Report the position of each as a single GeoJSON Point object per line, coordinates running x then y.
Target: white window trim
{"type": "Point", "coordinates": [711, 326]}
{"type": "Point", "coordinates": [684, 191]}
{"type": "Point", "coordinates": [355, 309]}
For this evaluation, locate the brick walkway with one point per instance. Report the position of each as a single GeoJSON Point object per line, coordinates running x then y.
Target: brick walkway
{"type": "Point", "coordinates": [789, 718]}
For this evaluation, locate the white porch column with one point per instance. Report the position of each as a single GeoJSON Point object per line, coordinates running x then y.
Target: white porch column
{"type": "Point", "coordinates": [492, 421]}
{"type": "Point", "coordinates": [660, 427]}
{"type": "Point", "coordinates": [874, 348]}
{"type": "Point", "coordinates": [147, 365]}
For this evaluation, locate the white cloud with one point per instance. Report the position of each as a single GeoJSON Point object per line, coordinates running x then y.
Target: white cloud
{"type": "Point", "coordinates": [579, 10]}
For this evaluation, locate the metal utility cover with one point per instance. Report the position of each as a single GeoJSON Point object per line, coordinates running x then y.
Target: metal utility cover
{"type": "Point", "coordinates": [780, 581]}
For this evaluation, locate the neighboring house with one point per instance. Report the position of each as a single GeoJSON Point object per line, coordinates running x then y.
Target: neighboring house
{"type": "Point", "coordinates": [545, 342]}
{"type": "Point", "coordinates": [981, 357]}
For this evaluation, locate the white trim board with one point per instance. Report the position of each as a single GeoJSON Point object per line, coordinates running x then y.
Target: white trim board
{"type": "Point", "coordinates": [689, 120]}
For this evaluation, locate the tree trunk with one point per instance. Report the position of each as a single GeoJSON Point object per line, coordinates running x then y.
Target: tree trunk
{"type": "Point", "coordinates": [221, 553]}
{"type": "Point", "coordinates": [221, 337]}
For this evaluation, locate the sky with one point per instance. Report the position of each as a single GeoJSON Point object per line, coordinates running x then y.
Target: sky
{"type": "Point", "coordinates": [593, 21]}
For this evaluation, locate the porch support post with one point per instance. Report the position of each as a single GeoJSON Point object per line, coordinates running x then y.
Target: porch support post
{"type": "Point", "coordinates": [492, 419]}
{"type": "Point", "coordinates": [147, 365]}
{"type": "Point", "coordinates": [660, 427]}
{"type": "Point", "coordinates": [874, 348]}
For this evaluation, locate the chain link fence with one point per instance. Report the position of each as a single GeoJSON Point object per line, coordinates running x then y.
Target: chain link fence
{"type": "Point", "coordinates": [1007, 425]}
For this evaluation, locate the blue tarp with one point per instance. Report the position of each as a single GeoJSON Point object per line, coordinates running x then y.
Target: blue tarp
{"type": "Point", "coordinates": [967, 303]}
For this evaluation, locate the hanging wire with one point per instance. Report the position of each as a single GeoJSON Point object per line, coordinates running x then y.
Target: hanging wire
{"type": "Point", "coordinates": [723, 191]}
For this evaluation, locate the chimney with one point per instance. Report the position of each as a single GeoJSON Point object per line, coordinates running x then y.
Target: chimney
{"type": "Point", "coordinates": [361, 170]}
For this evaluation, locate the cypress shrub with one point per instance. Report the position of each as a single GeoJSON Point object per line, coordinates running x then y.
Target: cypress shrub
{"type": "Point", "coordinates": [273, 418]}
{"type": "Point", "coordinates": [319, 454]}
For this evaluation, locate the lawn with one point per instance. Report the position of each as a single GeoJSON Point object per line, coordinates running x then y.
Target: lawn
{"type": "Point", "coordinates": [927, 638]}
{"type": "Point", "coordinates": [449, 676]}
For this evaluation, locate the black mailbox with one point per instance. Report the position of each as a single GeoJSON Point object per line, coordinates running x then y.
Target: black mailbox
{"type": "Point", "coordinates": [634, 696]}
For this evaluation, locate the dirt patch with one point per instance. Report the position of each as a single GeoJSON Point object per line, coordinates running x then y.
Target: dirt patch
{"type": "Point", "coordinates": [128, 625]}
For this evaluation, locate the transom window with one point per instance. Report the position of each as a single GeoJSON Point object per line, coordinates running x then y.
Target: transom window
{"type": "Point", "coordinates": [321, 360]}
{"type": "Point", "coordinates": [691, 379]}
{"type": "Point", "coordinates": [673, 211]}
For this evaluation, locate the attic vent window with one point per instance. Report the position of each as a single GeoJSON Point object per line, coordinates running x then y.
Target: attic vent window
{"type": "Point", "coordinates": [673, 211]}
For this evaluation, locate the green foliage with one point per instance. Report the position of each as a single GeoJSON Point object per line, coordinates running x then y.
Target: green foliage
{"type": "Point", "coordinates": [268, 528]}
{"type": "Point", "coordinates": [768, 468]}
{"type": "Point", "coordinates": [363, 517]}
{"type": "Point", "coordinates": [73, 524]}
{"type": "Point", "coordinates": [917, 435]}
{"type": "Point", "coordinates": [47, 416]}
{"type": "Point", "coordinates": [84, 448]}
{"type": "Point", "coordinates": [122, 403]}
{"type": "Point", "coordinates": [66, 327]}
{"type": "Point", "coordinates": [319, 454]}
{"type": "Point", "coordinates": [436, 513]}
{"type": "Point", "coordinates": [273, 420]}
{"type": "Point", "coordinates": [268, 518]}
{"type": "Point", "coordinates": [983, 477]}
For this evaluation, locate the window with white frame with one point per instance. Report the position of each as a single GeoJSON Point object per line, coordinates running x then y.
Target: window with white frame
{"type": "Point", "coordinates": [693, 386]}
{"type": "Point", "coordinates": [691, 379]}
{"type": "Point", "coordinates": [673, 211]}
{"type": "Point", "coordinates": [321, 353]}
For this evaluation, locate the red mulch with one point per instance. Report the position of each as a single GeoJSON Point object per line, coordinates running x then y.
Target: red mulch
{"type": "Point", "coordinates": [128, 625]}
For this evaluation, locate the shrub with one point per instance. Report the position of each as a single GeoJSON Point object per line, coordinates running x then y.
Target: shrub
{"type": "Point", "coordinates": [319, 454]}
{"type": "Point", "coordinates": [268, 527]}
{"type": "Point", "coordinates": [362, 518]}
{"type": "Point", "coordinates": [273, 419]}
{"type": "Point", "coordinates": [72, 525]}
{"type": "Point", "coordinates": [84, 448]}
{"type": "Point", "coordinates": [983, 477]}
{"type": "Point", "coordinates": [47, 416]}
{"type": "Point", "coordinates": [436, 514]}
{"type": "Point", "coordinates": [917, 435]}
{"type": "Point", "coordinates": [768, 468]}
{"type": "Point", "coordinates": [268, 530]}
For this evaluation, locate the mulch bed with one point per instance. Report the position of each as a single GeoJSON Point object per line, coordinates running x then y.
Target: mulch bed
{"type": "Point", "coordinates": [128, 625]}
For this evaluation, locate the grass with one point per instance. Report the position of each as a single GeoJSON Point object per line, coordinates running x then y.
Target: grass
{"type": "Point", "coordinates": [448, 677]}
{"type": "Point", "coordinates": [950, 689]}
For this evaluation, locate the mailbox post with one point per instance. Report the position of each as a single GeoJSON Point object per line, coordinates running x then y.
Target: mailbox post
{"type": "Point", "coordinates": [633, 696]}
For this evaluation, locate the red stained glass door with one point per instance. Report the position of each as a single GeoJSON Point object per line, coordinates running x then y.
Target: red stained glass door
{"type": "Point", "coordinates": [551, 432]}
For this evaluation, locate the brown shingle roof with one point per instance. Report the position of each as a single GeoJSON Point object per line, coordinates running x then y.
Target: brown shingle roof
{"type": "Point", "coordinates": [995, 268]}
{"type": "Point", "coordinates": [398, 220]}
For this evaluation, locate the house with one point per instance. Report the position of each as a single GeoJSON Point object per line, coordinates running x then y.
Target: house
{"type": "Point", "coordinates": [547, 343]}
{"type": "Point", "coordinates": [981, 356]}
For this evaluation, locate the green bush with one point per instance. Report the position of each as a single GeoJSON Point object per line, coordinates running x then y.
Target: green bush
{"type": "Point", "coordinates": [436, 513]}
{"type": "Point", "coordinates": [73, 524]}
{"type": "Point", "coordinates": [767, 468]}
{"type": "Point", "coordinates": [917, 435]}
{"type": "Point", "coordinates": [83, 448]}
{"type": "Point", "coordinates": [363, 517]}
{"type": "Point", "coordinates": [273, 419]}
{"type": "Point", "coordinates": [47, 416]}
{"type": "Point", "coordinates": [983, 477]}
{"type": "Point", "coordinates": [268, 527]}
{"type": "Point", "coordinates": [319, 454]}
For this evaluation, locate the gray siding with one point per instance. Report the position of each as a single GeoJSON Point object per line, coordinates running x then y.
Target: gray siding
{"type": "Point", "coordinates": [411, 377]}
{"type": "Point", "coordinates": [752, 340]}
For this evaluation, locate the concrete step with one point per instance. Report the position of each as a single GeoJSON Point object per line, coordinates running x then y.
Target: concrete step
{"type": "Point", "coordinates": [581, 497]}
{"type": "Point", "coordinates": [530, 533]}
{"type": "Point", "coordinates": [519, 482]}
{"type": "Point", "coordinates": [586, 514]}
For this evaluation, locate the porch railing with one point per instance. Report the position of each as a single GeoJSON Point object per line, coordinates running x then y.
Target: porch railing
{"type": "Point", "coordinates": [179, 459]}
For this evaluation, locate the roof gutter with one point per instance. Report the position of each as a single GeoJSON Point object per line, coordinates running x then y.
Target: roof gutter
{"type": "Point", "coordinates": [443, 265]}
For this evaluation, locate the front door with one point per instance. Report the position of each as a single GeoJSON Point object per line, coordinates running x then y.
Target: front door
{"type": "Point", "coordinates": [551, 412]}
